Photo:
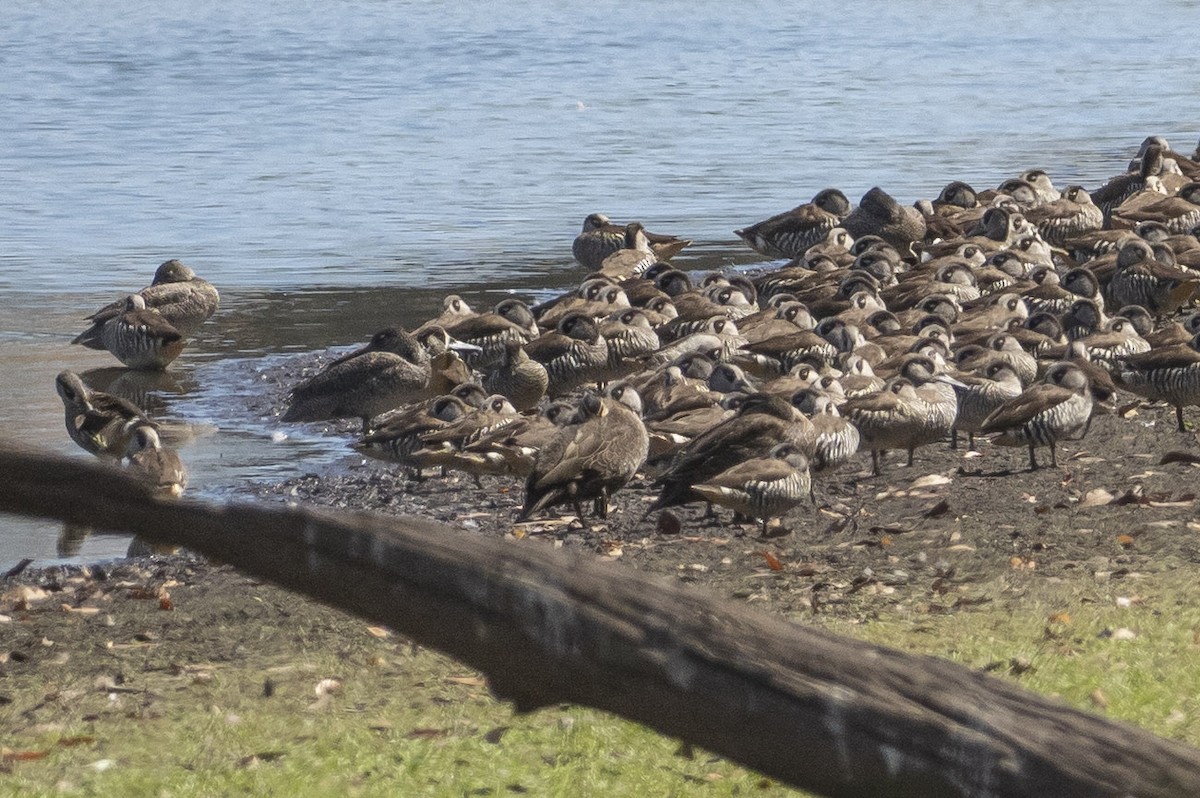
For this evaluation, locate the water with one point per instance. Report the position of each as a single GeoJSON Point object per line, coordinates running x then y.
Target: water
{"type": "Point", "coordinates": [338, 168]}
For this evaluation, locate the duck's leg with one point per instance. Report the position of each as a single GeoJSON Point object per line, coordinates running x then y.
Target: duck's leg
{"type": "Point", "coordinates": [600, 505]}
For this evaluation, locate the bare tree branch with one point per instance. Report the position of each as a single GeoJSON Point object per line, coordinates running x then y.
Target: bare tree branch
{"type": "Point", "coordinates": [828, 714]}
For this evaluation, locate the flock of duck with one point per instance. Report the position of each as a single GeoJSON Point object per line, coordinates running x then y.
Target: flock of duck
{"type": "Point", "coordinates": [1017, 313]}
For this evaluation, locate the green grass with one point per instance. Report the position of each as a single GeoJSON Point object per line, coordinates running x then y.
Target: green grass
{"type": "Point", "coordinates": [413, 723]}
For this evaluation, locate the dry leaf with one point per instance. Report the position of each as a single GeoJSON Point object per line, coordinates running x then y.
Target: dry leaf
{"type": "Point", "coordinates": [23, 756]}
{"type": "Point", "coordinates": [470, 681]}
{"type": "Point", "coordinates": [1125, 540]}
{"type": "Point", "coordinates": [328, 687]}
{"type": "Point", "coordinates": [425, 733]}
{"type": "Point", "coordinates": [1096, 497]}
{"type": "Point", "coordinates": [772, 561]}
{"type": "Point", "coordinates": [1060, 617]}
{"type": "Point", "coordinates": [931, 480]}
{"type": "Point", "coordinates": [1099, 699]}
{"type": "Point", "coordinates": [79, 739]}
{"type": "Point", "coordinates": [379, 631]}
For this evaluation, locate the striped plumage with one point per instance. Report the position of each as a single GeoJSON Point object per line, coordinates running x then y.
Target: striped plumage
{"type": "Point", "coordinates": [399, 437]}
{"type": "Point", "coordinates": [1121, 187]}
{"type": "Point", "coordinates": [761, 422]}
{"type": "Point", "coordinates": [443, 446]}
{"type": "Point", "coordinates": [1111, 346]}
{"type": "Point", "coordinates": [100, 423]}
{"type": "Point", "coordinates": [894, 418]}
{"type": "Point", "coordinates": [1140, 279]}
{"type": "Point", "coordinates": [718, 339]}
{"type": "Point", "coordinates": [791, 233]}
{"type": "Point", "coordinates": [510, 321]}
{"type": "Point", "coordinates": [1169, 374]}
{"type": "Point", "coordinates": [630, 336]}
{"type": "Point", "coordinates": [1058, 408]}
{"type": "Point", "coordinates": [573, 355]}
{"type": "Point", "coordinates": [779, 355]}
{"type": "Point", "coordinates": [600, 238]}
{"type": "Point", "coordinates": [140, 337]}
{"type": "Point", "coordinates": [184, 300]}
{"type": "Point", "coordinates": [1178, 214]}
{"type": "Point", "coordinates": [1072, 215]}
{"type": "Point", "coordinates": [512, 450]}
{"type": "Point", "coordinates": [837, 439]}
{"type": "Point", "coordinates": [764, 487]}
{"type": "Point", "coordinates": [979, 395]}
{"type": "Point", "coordinates": [518, 377]}
{"type": "Point", "coordinates": [937, 393]}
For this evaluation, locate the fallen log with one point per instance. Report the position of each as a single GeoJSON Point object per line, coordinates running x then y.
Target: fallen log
{"type": "Point", "coordinates": [832, 715]}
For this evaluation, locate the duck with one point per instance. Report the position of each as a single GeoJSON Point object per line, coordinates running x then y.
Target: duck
{"type": "Point", "coordinates": [512, 450]}
{"type": "Point", "coordinates": [1073, 214]}
{"type": "Point", "coordinates": [1178, 213]}
{"type": "Point", "coordinates": [398, 438]}
{"type": "Point", "coordinates": [158, 467]}
{"type": "Point", "coordinates": [1141, 279]}
{"type": "Point", "coordinates": [1170, 374]}
{"type": "Point", "coordinates": [517, 377]}
{"type": "Point", "coordinates": [573, 354]}
{"type": "Point", "coordinates": [893, 418]}
{"type": "Point", "coordinates": [600, 238]}
{"type": "Point", "coordinates": [791, 233]}
{"type": "Point", "coordinates": [391, 370]}
{"type": "Point", "coordinates": [447, 369]}
{"type": "Point", "coordinates": [836, 439]}
{"type": "Point", "coordinates": [1121, 187]}
{"type": "Point", "coordinates": [1057, 408]}
{"type": "Point", "coordinates": [139, 337]}
{"type": "Point", "coordinates": [184, 300]}
{"type": "Point", "coordinates": [592, 459]}
{"type": "Point", "coordinates": [763, 487]}
{"type": "Point", "coordinates": [443, 445]}
{"type": "Point", "coordinates": [98, 422]}
{"type": "Point", "coordinates": [630, 337]}
{"type": "Point", "coordinates": [510, 320]}
{"type": "Point", "coordinates": [878, 213]}
{"type": "Point", "coordinates": [980, 394]}
{"type": "Point", "coordinates": [761, 421]}
{"type": "Point", "coordinates": [454, 309]}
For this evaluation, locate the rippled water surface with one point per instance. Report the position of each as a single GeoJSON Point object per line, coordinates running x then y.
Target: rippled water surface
{"type": "Point", "coordinates": [338, 167]}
